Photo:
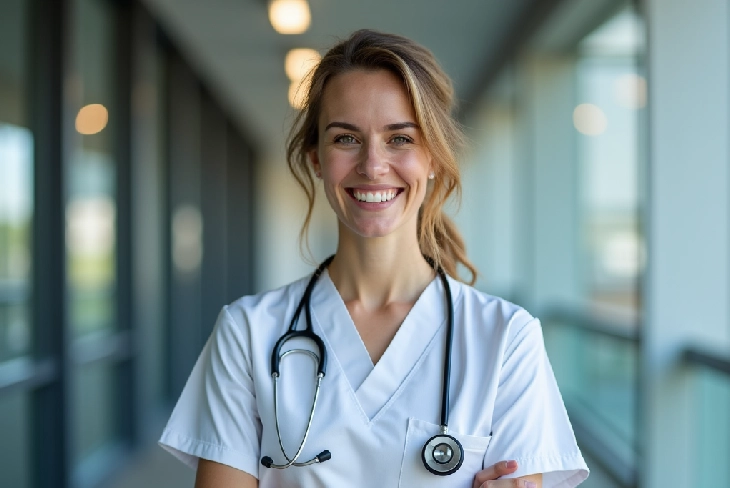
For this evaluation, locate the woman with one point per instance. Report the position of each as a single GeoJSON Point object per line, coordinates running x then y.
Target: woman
{"type": "Point", "coordinates": [377, 131]}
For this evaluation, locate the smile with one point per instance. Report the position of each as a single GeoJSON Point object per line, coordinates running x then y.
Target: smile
{"type": "Point", "coordinates": [374, 196]}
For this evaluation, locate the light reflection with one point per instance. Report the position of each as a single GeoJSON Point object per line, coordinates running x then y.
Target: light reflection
{"type": "Point", "coordinates": [289, 16]}
{"type": "Point", "coordinates": [92, 119]}
{"type": "Point", "coordinates": [589, 119]}
{"type": "Point", "coordinates": [91, 226]}
{"type": "Point", "coordinates": [90, 240]}
{"type": "Point", "coordinates": [16, 202]}
{"type": "Point", "coordinates": [187, 238]}
{"type": "Point", "coordinates": [622, 256]}
{"type": "Point", "coordinates": [630, 91]}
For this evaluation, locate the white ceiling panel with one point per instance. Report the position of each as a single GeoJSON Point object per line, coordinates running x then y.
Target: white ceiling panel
{"type": "Point", "coordinates": [242, 58]}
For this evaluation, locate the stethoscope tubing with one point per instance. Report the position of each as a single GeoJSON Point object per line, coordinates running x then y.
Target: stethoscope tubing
{"type": "Point", "coordinates": [292, 461]}
{"type": "Point", "coordinates": [447, 355]}
{"type": "Point", "coordinates": [321, 361]}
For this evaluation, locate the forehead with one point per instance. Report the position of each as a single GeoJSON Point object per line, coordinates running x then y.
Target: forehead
{"type": "Point", "coordinates": [366, 97]}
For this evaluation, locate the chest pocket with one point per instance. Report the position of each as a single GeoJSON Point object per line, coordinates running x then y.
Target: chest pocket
{"type": "Point", "coordinates": [413, 472]}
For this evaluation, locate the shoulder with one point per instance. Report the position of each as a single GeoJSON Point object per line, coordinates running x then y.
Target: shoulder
{"type": "Point", "coordinates": [259, 315]}
{"type": "Point", "coordinates": [491, 315]}
{"type": "Point", "coordinates": [271, 303]}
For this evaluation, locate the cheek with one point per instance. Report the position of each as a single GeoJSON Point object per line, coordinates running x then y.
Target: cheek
{"type": "Point", "coordinates": [336, 164]}
{"type": "Point", "coordinates": [334, 171]}
{"type": "Point", "coordinates": [414, 171]}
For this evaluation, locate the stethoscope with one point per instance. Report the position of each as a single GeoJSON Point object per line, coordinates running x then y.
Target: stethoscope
{"type": "Point", "coordinates": [441, 455]}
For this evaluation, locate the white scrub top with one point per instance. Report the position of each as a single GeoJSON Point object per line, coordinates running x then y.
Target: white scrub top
{"type": "Point", "coordinates": [375, 419]}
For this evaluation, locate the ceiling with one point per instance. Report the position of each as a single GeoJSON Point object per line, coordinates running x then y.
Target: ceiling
{"type": "Point", "coordinates": [241, 57]}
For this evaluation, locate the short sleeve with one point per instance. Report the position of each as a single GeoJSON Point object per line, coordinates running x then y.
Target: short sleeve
{"type": "Point", "coordinates": [530, 424]}
{"type": "Point", "coordinates": [216, 416]}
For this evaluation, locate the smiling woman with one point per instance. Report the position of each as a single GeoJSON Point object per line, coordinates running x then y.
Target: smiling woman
{"type": "Point", "coordinates": [385, 320]}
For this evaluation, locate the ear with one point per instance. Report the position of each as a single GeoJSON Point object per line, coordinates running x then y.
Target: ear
{"type": "Point", "coordinates": [314, 160]}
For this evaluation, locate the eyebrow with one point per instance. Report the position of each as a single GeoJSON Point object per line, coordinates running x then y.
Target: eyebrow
{"type": "Point", "coordinates": [389, 127]}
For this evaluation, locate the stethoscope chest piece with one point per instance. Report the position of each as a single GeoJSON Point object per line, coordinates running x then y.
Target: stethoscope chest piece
{"type": "Point", "coordinates": [442, 455]}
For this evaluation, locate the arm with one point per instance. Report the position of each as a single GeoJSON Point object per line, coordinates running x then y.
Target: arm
{"type": "Point", "coordinates": [530, 424]}
{"type": "Point", "coordinates": [215, 475]}
{"type": "Point", "coordinates": [489, 477]}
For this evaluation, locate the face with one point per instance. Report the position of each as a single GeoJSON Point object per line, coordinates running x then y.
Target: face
{"type": "Point", "coordinates": [371, 154]}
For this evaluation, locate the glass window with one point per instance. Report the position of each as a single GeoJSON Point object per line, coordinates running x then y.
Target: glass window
{"type": "Point", "coordinates": [16, 214]}
{"type": "Point", "coordinates": [598, 374]}
{"type": "Point", "coordinates": [15, 442]}
{"type": "Point", "coordinates": [94, 411]}
{"type": "Point", "coordinates": [712, 403]}
{"type": "Point", "coordinates": [91, 237]}
{"type": "Point", "coordinates": [611, 94]}
{"type": "Point", "coordinates": [91, 204]}
{"type": "Point", "coordinates": [16, 183]}
{"type": "Point", "coordinates": [148, 214]}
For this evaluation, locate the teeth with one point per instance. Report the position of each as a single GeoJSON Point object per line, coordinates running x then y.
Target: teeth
{"type": "Point", "coordinates": [375, 197]}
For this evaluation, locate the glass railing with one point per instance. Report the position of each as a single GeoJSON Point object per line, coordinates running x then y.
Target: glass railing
{"type": "Point", "coordinates": [596, 366]}
{"type": "Point", "coordinates": [710, 376]}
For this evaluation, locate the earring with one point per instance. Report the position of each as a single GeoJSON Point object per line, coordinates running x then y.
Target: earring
{"type": "Point", "coordinates": [318, 175]}
{"type": "Point", "coordinates": [431, 175]}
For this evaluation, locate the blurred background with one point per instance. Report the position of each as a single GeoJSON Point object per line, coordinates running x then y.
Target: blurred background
{"type": "Point", "coordinates": [143, 185]}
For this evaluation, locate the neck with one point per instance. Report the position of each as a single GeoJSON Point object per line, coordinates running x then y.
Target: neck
{"type": "Point", "coordinates": [379, 271]}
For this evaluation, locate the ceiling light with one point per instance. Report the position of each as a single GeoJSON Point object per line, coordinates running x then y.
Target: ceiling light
{"type": "Point", "coordinates": [92, 119]}
{"type": "Point", "coordinates": [289, 16]}
{"type": "Point", "coordinates": [589, 119]}
{"type": "Point", "coordinates": [299, 62]}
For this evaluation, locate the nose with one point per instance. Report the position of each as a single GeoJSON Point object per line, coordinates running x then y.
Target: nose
{"type": "Point", "coordinates": [373, 162]}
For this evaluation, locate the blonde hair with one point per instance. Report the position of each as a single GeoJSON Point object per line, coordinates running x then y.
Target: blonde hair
{"type": "Point", "coordinates": [432, 96]}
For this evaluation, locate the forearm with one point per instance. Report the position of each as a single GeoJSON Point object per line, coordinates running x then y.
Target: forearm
{"type": "Point", "coordinates": [215, 475]}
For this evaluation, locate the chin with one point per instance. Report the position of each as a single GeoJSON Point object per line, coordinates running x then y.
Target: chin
{"type": "Point", "coordinates": [373, 233]}
{"type": "Point", "coordinates": [370, 231]}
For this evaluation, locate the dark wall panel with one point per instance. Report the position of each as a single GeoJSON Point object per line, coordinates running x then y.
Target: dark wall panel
{"type": "Point", "coordinates": [214, 191]}
{"type": "Point", "coordinates": [241, 217]}
{"type": "Point", "coordinates": [187, 226]}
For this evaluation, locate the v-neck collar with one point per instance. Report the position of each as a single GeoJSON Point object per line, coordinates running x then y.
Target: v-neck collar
{"type": "Point", "coordinates": [375, 385]}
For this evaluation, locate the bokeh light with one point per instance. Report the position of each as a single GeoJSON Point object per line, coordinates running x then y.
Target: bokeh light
{"type": "Point", "coordinates": [630, 91]}
{"type": "Point", "coordinates": [289, 16]}
{"type": "Point", "coordinates": [299, 62]}
{"type": "Point", "coordinates": [589, 119]}
{"type": "Point", "coordinates": [92, 119]}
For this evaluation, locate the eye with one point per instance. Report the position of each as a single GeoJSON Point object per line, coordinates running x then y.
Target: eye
{"type": "Point", "coordinates": [345, 139]}
{"type": "Point", "coordinates": [400, 140]}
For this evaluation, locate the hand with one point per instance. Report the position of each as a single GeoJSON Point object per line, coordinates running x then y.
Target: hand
{"type": "Point", "coordinates": [488, 478]}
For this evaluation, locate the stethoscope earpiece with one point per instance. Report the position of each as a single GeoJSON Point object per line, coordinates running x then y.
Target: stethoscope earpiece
{"type": "Point", "coordinates": [442, 455]}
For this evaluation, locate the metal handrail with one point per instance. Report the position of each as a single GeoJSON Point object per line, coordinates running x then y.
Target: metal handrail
{"type": "Point", "coordinates": [694, 355]}
{"type": "Point", "coordinates": [699, 356]}
{"type": "Point", "coordinates": [25, 373]}
{"type": "Point", "coordinates": [628, 333]}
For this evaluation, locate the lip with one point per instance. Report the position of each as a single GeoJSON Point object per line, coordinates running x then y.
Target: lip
{"type": "Point", "coordinates": [374, 188]}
